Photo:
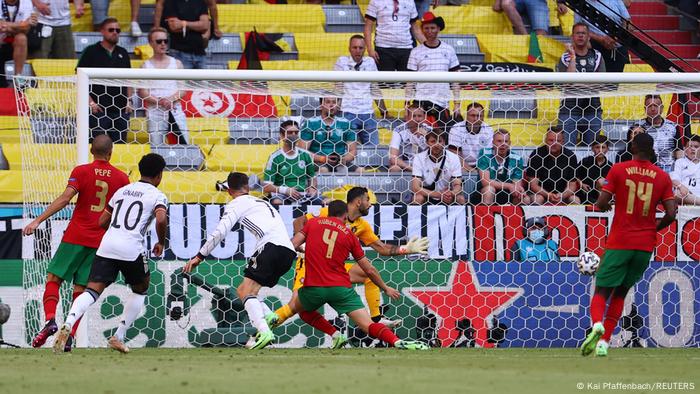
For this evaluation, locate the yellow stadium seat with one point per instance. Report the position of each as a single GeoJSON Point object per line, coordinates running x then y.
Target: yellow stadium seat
{"type": "Point", "coordinates": [49, 185]}
{"type": "Point", "coordinates": [514, 48]}
{"type": "Point", "coordinates": [322, 48]}
{"type": "Point", "coordinates": [271, 18]}
{"type": "Point", "coordinates": [195, 186]}
{"type": "Point", "coordinates": [473, 19]}
{"type": "Point", "coordinates": [9, 129]}
{"type": "Point", "coordinates": [126, 156]}
{"type": "Point", "coordinates": [239, 157]}
{"type": "Point", "coordinates": [119, 9]}
{"type": "Point", "coordinates": [55, 156]}
{"type": "Point", "coordinates": [638, 68]}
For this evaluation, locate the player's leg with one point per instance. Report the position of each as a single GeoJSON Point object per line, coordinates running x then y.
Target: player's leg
{"type": "Point", "coordinates": [373, 295]}
{"type": "Point", "coordinates": [307, 303]}
{"type": "Point", "coordinates": [382, 332]}
{"type": "Point", "coordinates": [50, 301]}
{"type": "Point", "coordinates": [102, 273]}
{"type": "Point", "coordinates": [285, 312]}
{"type": "Point", "coordinates": [81, 277]}
{"type": "Point", "coordinates": [138, 277]}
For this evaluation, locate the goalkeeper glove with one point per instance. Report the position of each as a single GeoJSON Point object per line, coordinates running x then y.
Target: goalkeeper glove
{"type": "Point", "coordinates": [415, 245]}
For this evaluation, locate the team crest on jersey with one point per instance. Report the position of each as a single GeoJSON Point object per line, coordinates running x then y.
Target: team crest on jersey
{"type": "Point", "coordinates": [301, 164]}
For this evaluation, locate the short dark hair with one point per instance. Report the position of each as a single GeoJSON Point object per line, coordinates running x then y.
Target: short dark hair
{"type": "Point", "coordinates": [653, 97]}
{"type": "Point", "coordinates": [320, 99]}
{"type": "Point", "coordinates": [474, 105]}
{"type": "Point", "coordinates": [644, 143]}
{"type": "Point", "coordinates": [355, 193]}
{"type": "Point", "coordinates": [555, 129]}
{"type": "Point", "coordinates": [581, 24]}
{"type": "Point", "coordinates": [437, 134]}
{"type": "Point", "coordinates": [634, 126]}
{"type": "Point", "coordinates": [237, 180]}
{"type": "Point", "coordinates": [151, 165]}
{"type": "Point", "coordinates": [694, 138]}
{"type": "Point", "coordinates": [601, 139]}
{"type": "Point", "coordinates": [107, 21]}
{"type": "Point", "coordinates": [356, 37]}
{"type": "Point", "coordinates": [337, 208]}
{"type": "Point", "coordinates": [287, 123]}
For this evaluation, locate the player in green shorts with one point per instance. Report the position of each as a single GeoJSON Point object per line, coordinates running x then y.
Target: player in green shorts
{"type": "Point", "coordinates": [328, 243]}
{"type": "Point", "coordinates": [94, 184]}
{"type": "Point", "coordinates": [638, 186]}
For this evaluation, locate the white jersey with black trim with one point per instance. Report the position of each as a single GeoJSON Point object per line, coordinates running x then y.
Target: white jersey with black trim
{"type": "Point", "coordinates": [256, 216]}
{"type": "Point", "coordinates": [133, 210]}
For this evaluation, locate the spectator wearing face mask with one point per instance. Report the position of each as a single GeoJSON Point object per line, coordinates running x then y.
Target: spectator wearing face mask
{"type": "Point", "coordinates": [536, 244]}
{"type": "Point", "coordinates": [290, 174]}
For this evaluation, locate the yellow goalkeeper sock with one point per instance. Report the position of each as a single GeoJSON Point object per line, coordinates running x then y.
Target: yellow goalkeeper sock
{"type": "Point", "coordinates": [284, 313]}
{"type": "Point", "coordinates": [374, 298]}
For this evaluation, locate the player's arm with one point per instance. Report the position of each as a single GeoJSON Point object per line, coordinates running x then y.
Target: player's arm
{"type": "Point", "coordinates": [414, 245]}
{"type": "Point", "coordinates": [161, 227]}
{"type": "Point", "coordinates": [105, 218]}
{"type": "Point", "coordinates": [59, 203]}
{"type": "Point", "coordinates": [373, 275]}
{"type": "Point", "coordinates": [669, 215]}
{"type": "Point", "coordinates": [299, 223]}
{"type": "Point", "coordinates": [222, 229]}
{"type": "Point", "coordinates": [298, 240]}
{"type": "Point", "coordinates": [603, 201]}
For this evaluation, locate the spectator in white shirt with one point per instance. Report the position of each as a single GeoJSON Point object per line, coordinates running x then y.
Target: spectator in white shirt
{"type": "Point", "coordinates": [394, 20]}
{"type": "Point", "coordinates": [408, 139]}
{"type": "Point", "coordinates": [55, 27]}
{"type": "Point", "coordinates": [437, 173]}
{"type": "Point", "coordinates": [434, 55]}
{"type": "Point", "coordinates": [468, 137]}
{"type": "Point", "coordinates": [686, 174]}
{"type": "Point", "coordinates": [17, 19]}
{"type": "Point", "coordinates": [356, 104]}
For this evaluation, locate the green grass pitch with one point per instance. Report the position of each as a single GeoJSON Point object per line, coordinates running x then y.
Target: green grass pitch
{"type": "Point", "coordinates": [362, 371]}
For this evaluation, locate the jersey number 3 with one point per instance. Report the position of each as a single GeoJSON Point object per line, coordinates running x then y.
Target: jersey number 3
{"type": "Point", "coordinates": [642, 191]}
{"type": "Point", "coordinates": [101, 195]}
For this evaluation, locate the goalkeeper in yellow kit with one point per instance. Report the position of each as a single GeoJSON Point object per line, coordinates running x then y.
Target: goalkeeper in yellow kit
{"type": "Point", "coordinates": [358, 206]}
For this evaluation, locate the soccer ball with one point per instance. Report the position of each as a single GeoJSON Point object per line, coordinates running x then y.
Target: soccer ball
{"type": "Point", "coordinates": [588, 263]}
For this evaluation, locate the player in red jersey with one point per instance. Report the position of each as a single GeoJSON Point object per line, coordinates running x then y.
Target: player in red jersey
{"type": "Point", "coordinates": [329, 241]}
{"type": "Point", "coordinates": [638, 186]}
{"type": "Point", "coordinates": [94, 183]}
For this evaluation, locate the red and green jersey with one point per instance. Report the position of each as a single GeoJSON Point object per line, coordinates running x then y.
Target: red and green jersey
{"type": "Point", "coordinates": [638, 187]}
{"type": "Point", "coordinates": [328, 243]}
{"type": "Point", "coordinates": [95, 183]}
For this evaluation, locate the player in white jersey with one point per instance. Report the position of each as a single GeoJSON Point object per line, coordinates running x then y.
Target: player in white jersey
{"type": "Point", "coordinates": [686, 174]}
{"type": "Point", "coordinates": [127, 218]}
{"type": "Point", "coordinates": [274, 252]}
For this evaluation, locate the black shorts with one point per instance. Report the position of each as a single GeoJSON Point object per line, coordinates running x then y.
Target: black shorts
{"type": "Point", "coordinates": [105, 270]}
{"type": "Point", "coordinates": [269, 264]}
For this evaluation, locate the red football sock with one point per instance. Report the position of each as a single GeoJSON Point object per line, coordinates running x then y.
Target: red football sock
{"type": "Point", "coordinates": [617, 304]}
{"type": "Point", "coordinates": [597, 308]}
{"type": "Point", "coordinates": [315, 320]}
{"type": "Point", "coordinates": [77, 322]}
{"type": "Point", "coordinates": [50, 299]}
{"type": "Point", "coordinates": [383, 333]}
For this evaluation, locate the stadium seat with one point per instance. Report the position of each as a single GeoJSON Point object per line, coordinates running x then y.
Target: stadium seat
{"type": "Point", "coordinates": [373, 157]}
{"type": "Point", "coordinates": [466, 47]}
{"type": "Point", "coordinates": [343, 19]}
{"type": "Point", "coordinates": [52, 183]}
{"type": "Point", "coordinates": [56, 156]}
{"type": "Point", "coordinates": [253, 130]}
{"type": "Point", "coordinates": [471, 19]}
{"type": "Point", "coordinates": [189, 186]}
{"type": "Point", "coordinates": [324, 48]}
{"type": "Point", "coordinates": [242, 157]}
{"type": "Point", "coordinates": [9, 129]}
{"type": "Point", "coordinates": [385, 185]}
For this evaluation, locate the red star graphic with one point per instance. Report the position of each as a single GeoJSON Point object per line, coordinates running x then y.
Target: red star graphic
{"type": "Point", "coordinates": [464, 298]}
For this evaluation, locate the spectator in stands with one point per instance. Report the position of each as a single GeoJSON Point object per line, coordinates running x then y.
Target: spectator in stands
{"type": "Point", "coordinates": [469, 137]}
{"type": "Point", "coordinates": [593, 170]}
{"type": "Point", "coordinates": [408, 139]}
{"type": "Point", "coordinates": [331, 139]}
{"type": "Point", "coordinates": [536, 10]}
{"type": "Point", "coordinates": [55, 27]}
{"type": "Point", "coordinates": [536, 245]}
{"type": "Point", "coordinates": [434, 55]}
{"type": "Point", "coordinates": [686, 174]}
{"type": "Point", "coordinates": [580, 114]}
{"type": "Point", "coordinates": [163, 101]}
{"type": "Point", "coordinates": [17, 19]}
{"type": "Point", "coordinates": [501, 173]}
{"type": "Point", "coordinates": [395, 20]}
{"type": "Point", "coordinates": [614, 54]}
{"type": "Point", "coordinates": [437, 173]}
{"type": "Point", "coordinates": [290, 174]}
{"type": "Point", "coordinates": [100, 9]}
{"type": "Point", "coordinates": [357, 96]}
{"type": "Point", "coordinates": [669, 139]}
{"type": "Point", "coordinates": [109, 105]}
{"type": "Point", "coordinates": [213, 15]}
{"type": "Point", "coordinates": [551, 171]}
{"type": "Point", "coordinates": [189, 27]}
{"type": "Point", "coordinates": [626, 154]}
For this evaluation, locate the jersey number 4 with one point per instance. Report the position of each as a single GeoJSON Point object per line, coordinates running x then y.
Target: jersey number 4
{"type": "Point", "coordinates": [642, 191]}
{"type": "Point", "coordinates": [329, 238]}
{"type": "Point", "coordinates": [125, 220]}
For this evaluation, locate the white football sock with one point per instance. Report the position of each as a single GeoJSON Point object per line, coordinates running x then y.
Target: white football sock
{"type": "Point", "coordinates": [132, 309]}
{"type": "Point", "coordinates": [79, 307]}
{"type": "Point", "coordinates": [266, 309]}
{"type": "Point", "coordinates": [255, 313]}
